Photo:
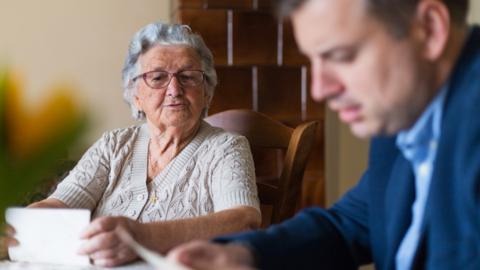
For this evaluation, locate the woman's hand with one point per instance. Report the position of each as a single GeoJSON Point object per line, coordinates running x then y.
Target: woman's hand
{"type": "Point", "coordinates": [202, 255]}
{"type": "Point", "coordinates": [7, 239]}
{"type": "Point", "coordinates": [104, 246]}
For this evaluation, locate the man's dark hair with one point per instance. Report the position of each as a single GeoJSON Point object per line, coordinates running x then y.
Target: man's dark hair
{"type": "Point", "coordinates": [395, 13]}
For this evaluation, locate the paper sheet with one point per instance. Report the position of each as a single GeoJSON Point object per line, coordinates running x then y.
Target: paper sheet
{"type": "Point", "coordinates": [153, 258]}
{"type": "Point", "coordinates": [7, 265]}
{"type": "Point", "coordinates": [48, 235]}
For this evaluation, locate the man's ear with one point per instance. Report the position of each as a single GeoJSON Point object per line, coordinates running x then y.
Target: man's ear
{"type": "Point", "coordinates": [434, 21]}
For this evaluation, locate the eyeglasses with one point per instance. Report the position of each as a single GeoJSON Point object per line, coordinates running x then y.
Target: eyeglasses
{"type": "Point", "coordinates": [159, 79]}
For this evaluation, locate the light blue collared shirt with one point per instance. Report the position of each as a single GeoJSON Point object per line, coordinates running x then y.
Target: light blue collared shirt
{"type": "Point", "coordinates": [419, 146]}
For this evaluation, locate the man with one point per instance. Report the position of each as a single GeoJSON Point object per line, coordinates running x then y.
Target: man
{"type": "Point", "coordinates": [405, 73]}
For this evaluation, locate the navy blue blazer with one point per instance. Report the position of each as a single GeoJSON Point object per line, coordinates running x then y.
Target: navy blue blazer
{"type": "Point", "coordinates": [369, 222]}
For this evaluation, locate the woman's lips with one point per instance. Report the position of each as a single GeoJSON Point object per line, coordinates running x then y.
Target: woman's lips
{"type": "Point", "coordinates": [176, 105]}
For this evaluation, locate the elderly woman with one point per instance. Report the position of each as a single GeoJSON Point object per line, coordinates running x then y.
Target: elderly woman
{"type": "Point", "coordinates": [173, 178]}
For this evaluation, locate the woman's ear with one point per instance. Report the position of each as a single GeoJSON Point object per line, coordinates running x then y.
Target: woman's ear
{"type": "Point", "coordinates": [434, 21]}
{"type": "Point", "coordinates": [207, 97]}
{"type": "Point", "coordinates": [137, 102]}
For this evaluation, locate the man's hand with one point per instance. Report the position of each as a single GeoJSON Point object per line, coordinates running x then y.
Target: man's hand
{"type": "Point", "coordinates": [7, 239]}
{"type": "Point", "coordinates": [202, 255]}
{"type": "Point", "coordinates": [103, 245]}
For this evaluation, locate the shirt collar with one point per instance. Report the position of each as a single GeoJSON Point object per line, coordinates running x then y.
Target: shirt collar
{"type": "Point", "coordinates": [426, 129]}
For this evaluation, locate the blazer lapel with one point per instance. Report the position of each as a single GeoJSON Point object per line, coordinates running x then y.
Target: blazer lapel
{"type": "Point", "coordinates": [400, 195]}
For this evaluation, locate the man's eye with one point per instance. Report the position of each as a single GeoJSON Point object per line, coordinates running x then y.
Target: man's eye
{"type": "Point", "coordinates": [342, 56]}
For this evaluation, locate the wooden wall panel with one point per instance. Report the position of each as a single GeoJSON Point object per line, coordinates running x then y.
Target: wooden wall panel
{"type": "Point", "coordinates": [181, 4]}
{"type": "Point", "coordinates": [229, 4]}
{"type": "Point", "coordinates": [291, 53]}
{"type": "Point", "coordinates": [254, 38]}
{"type": "Point", "coordinates": [278, 95]}
{"type": "Point", "coordinates": [260, 68]}
{"type": "Point", "coordinates": [225, 4]}
{"type": "Point", "coordinates": [212, 25]}
{"type": "Point", "coordinates": [266, 4]}
{"type": "Point", "coordinates": [314, 109]}
{"type": "Point", "coordinates": [234, 90]}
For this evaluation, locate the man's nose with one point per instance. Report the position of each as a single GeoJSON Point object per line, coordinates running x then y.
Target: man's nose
{"type": "Point", "coordinates": [324, 83]}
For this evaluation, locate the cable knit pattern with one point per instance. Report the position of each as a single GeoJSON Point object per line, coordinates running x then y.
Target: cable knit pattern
{"type": "Point", "coordinates": [213, 172]}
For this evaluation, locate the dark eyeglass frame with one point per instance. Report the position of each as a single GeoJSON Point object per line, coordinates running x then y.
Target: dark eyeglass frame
{"type": "Point", "coordinates": [170, 76]}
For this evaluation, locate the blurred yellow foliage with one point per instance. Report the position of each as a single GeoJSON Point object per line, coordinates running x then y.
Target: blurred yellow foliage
{"type": "Point", "coordinates": [33, 141]}
{"type": "Point", "coordinates": [28, 129]}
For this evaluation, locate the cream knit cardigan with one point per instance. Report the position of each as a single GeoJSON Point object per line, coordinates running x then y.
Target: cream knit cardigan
{"type": "Point", "coordinates": [213, 172]}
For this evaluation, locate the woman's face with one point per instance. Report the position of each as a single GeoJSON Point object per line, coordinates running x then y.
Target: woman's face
{"type": "Point", "coordinates": [173, 105]}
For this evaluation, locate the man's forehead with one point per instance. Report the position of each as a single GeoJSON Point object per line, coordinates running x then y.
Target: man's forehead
{"type": "Point", "coordinates": [325, 21]}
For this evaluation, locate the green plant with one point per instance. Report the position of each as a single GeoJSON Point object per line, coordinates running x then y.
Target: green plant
{"type": "Point", "coordinates": [31, 143]}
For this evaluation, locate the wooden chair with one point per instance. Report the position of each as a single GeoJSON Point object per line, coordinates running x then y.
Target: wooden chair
{"type": "Point", "coordinates": [279, 194]}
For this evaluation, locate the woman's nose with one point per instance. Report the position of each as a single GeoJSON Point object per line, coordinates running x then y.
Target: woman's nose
{"type": "Point", "coordinates": [174, 88]}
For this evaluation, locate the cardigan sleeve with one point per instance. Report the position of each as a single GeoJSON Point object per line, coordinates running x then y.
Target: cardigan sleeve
{"type": "Point", "coordinates": [85, 184]}
{"type": "Point", "coordinates": [233, 179]}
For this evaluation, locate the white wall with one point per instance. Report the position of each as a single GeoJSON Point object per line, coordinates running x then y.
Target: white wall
{"type": "Point", "coordinates": [347, 155]}
{"type": "Point", "coordinates": [475, 11]}
{"type": "Point", "coordinates": [79, 42]}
